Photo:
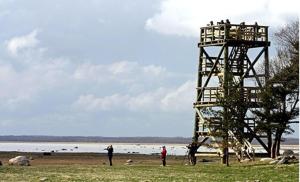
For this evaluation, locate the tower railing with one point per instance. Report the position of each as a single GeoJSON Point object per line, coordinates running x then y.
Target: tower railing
{"type": "Point", "coordinates": [211, 95]}
{"type": "Point", "coordinates": [218, 34]}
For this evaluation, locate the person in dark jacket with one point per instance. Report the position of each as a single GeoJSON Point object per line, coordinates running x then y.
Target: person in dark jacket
{"type": "Point", "coordinates": [163, 155]}
{"type": "Point", "coordinates": [193, 147]}
{"type": "Point", "coordinates": [110, 151]}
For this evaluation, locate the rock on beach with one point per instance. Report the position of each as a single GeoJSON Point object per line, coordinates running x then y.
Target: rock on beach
{"type": "Point", "coordinates": [19, 160]}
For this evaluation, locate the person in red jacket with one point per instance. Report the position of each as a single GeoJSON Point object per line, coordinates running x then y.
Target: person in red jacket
{"type": "Point", "coordinates": [163, 155]}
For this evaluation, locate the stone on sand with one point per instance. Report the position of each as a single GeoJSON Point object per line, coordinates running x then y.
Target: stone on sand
{"type": "Point", "coordinates": [288, 153]}
{"type": "Point", "coordinates": [266, 159]}
{"type": "Point", "coordinates": [129, 161]}
{"type": "Point", "coordinates": [19, 160]}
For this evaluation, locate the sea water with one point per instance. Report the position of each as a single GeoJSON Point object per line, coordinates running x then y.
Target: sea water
{"type": "Point", "coordinates": [124, 148]}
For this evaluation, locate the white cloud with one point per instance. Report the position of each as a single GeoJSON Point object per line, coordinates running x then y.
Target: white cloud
{"type": "Point", "coordinates": [53, 74]}
{"type": "Point", "coordinates": [50, 74]}
{"type": "Point", "coordinates": [122, 72]}
{"type": "Point", "coordinates": [142, 102]}
{"type": "Point", "coordinates": [92, 103]}
{"type": "Point", "coordinates": [88, 72]}
{"type": "Point", "coordinates": [30, 73]}
{"type": "Point", "coordinates": [186, 17]}
{"type": "Point", "coordinates": [147, 101]}
{"type": "Point", "coordinates": [178, 99]}
{"type": "Point", "coordinates": [24, 86]}
{"type": "Point", "coordinates": [153, 70]}
{"type": "Point", "coordinates": [122, 67]}
{"type": "Point", "coordinates": [16, 44]}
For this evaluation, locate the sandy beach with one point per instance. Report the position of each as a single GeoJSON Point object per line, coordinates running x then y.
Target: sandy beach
{"type": "Point", "coordinates": [87, 158]}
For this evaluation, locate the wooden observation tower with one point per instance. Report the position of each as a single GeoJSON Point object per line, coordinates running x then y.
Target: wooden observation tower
{"type": "Point", "coordinates": [230, 53]}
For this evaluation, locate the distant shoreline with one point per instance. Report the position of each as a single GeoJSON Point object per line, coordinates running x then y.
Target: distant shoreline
{"type": "Point", "coordinates": [112, 143]}
{"type": "Point", "coordinates": [119, 143]}
{"type": "Point", "coordinates": [121, 140]}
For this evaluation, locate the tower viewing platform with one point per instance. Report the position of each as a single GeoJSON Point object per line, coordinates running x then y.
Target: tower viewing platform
{"type": "Point", "coordinates": [234, 34]}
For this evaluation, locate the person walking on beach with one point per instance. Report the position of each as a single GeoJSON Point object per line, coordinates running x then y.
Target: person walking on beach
{"type": "Point", "coordinates": [163, 155]}
{"type": "Point", "coordinates": [110, 151]}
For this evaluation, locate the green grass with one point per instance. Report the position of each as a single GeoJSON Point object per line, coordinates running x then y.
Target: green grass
{"type": "Point", "coordinates": [141, 172]}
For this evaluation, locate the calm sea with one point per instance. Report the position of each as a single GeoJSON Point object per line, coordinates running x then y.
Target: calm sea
{"type": "Point", "coordinates": [173, 149]}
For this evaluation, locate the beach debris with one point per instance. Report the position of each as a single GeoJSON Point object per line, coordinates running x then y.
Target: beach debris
{"type": "Point", "coordinates": [267, 159]}
{"type": "Point", "coordinates": [288, 153]}
{"type": "Point", "coordinates": [284, 160]}
{"type": "Point", "coordinates": [245, 160]}
{"type": "Point", "coordinates": [43, 179]}
{"type": "Point", "coordinates": [287, 156]}
{"type": "Point", "coordinates": [128, 162]}
{"type": "Point", "coordinates": [19, 160]}
{"type": "Point", "coordinates": [273, 162]}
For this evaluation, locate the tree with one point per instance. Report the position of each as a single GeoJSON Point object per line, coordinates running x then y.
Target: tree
{"type": "Point", "coordinates": [231, 113]}
{"type": "Point", "coordinates": [281, 94]}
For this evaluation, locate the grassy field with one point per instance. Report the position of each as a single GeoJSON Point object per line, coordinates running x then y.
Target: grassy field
{"type": "Point", "coordinates": [144, 168]}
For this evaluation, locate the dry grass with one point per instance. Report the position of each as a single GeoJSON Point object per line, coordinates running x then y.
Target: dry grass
{"type": "Point", "coordinates": [90, 167]}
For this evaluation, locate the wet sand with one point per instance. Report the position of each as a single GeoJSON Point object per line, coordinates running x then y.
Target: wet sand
{"type": "Point", "coordinates": [88, 158]}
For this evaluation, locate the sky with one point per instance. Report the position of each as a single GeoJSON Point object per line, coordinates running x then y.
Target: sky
{"type": "Point", "coordinates": [110, 68]}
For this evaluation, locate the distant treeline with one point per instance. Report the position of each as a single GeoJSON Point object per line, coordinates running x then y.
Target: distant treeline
{"type": "Point", "coordinates": [163, 140]}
